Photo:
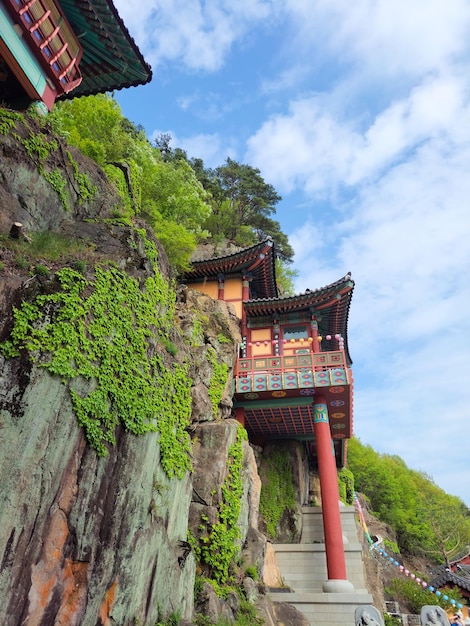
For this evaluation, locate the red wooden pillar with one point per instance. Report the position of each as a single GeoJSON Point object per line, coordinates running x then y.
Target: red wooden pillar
{"type": "Point", "coordinates": [245, 288]}
{"type": "Point", "coordinates": [314, 335]}
{"type": "Point", "coordinates": [335, 559]}
{"type": "Point", "coordinates": [240, 415]}
{"type": "Point", "coordinates": [221, 287]}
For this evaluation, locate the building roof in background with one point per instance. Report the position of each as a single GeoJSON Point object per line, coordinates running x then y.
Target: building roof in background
{"type": "Point", "coordinates": [257, 262]}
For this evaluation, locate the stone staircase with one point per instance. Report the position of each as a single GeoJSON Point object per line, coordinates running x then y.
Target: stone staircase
{"type": "Point", "coordinates": [303, 569]}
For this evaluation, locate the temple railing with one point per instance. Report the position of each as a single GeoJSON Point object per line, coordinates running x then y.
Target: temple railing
{"type": "Point", "coordinates": [48, 31]}
{"type": "Point", "coordinates": [299, 371]}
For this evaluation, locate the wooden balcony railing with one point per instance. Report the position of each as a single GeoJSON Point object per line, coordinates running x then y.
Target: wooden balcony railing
{"type": "Point", "coordinates": [283, 373]}
{"type": "Point", "coordinates": [48, 31]}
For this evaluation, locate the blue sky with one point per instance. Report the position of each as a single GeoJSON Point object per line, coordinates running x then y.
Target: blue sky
{"type": "Point", "coordinates": [359, 115]}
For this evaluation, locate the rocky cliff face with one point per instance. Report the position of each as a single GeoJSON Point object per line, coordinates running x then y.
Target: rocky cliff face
{"type": "Point", "coordinates": [88, 539]}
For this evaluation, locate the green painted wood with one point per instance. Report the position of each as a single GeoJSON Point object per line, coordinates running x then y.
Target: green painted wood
{"type": "Point", "coordinates": [22, 54]}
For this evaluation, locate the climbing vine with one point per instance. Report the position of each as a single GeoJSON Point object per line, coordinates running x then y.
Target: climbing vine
{"type": "Point", "coordinates": [346, 485]}
{"type": "Point", "coordinates": [86, 191]}
{"type": "Point", "coordinates": [103, 331]}
{"type": "Point", "coordinates": [218, 542]}
{"type": "Point", "coordinates": [218, 380]}
{"type": "Point", "coordinates": [8, 120]}
{"type": "Point", "coordinates": [277, 491]}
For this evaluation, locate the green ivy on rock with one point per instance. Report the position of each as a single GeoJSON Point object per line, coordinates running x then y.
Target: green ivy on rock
{"type": "Point", "coordinates": [104, 331]}
{"type": "Point", "coordinates": [218, 542]}
{"type": "Point", "coordinates": [218, 380]}
{"type": "Point", "coordinates": [277, 491]}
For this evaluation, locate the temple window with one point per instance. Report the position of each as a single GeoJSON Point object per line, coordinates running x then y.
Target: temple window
{"type": "Point", "coordinates": [295, 333]}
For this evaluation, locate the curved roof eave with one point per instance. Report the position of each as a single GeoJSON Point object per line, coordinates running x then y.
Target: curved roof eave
{"type": "Point", "coordinates": [111, 59]}
{"type": "Point", "coordinates": [257, 260]}
{"type": "Point", "coordinates": [331, 303]}
{"type": "Point", "coordinates": [450, 577]}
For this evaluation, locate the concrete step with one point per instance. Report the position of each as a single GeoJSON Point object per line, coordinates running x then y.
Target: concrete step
{"type": "Point", "coordinates": [304, 571]}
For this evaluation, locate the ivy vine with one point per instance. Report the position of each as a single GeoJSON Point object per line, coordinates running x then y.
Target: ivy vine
{"type": "Point", "coordinates": [218, 542]}
{"type": "Point", "coordinates": [103, 331]}
{"type": "Point", "coordinates": [277, 490]}
{"type": "Point", "coordinates": [218, 380]}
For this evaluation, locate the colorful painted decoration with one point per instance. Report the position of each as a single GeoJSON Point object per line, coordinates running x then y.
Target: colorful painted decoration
{"type": "Point", "coordinates": [390, 559]}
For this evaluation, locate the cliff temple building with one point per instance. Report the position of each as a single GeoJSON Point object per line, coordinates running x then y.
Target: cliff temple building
{"type": "Point", "coordinates": [56, 49]}
{"type": "Point", "coordinates": [293, 375]}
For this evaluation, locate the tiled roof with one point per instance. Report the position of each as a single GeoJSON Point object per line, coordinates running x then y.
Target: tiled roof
{"type": "Point", "coordinates": [450, 577]}
{"type": "Point", "coordinates": [258, 261]}
{"type": "Point", "coordinates": [111, 59]}
{"type": "Point", "coordinates": [330, 303]}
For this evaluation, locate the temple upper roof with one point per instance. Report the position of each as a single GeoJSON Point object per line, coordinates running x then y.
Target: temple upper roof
{"type": "Point", "coordinates": [329, 304]}
{"type": "Point", "coordinates": [111, 59]}
{"type": "Point", "coordinates": [256, 263]}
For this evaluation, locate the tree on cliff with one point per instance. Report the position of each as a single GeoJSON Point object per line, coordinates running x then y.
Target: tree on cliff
{"type": "Point", "coordinates": [182, 200]}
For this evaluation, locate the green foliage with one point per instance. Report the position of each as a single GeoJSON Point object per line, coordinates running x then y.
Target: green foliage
{"type": "Point", "coordinates": [86, 191]}
{"type": "Point", "coordinates": [346, 485]}
{"type": "Point", "coordinates": [101, 330]}
{"type": "Point", "coordinates": [242, 203]}
{"type": "Point", "coordinates": [21, 262]}
{"type": "Point", "coordinates": [116, 176]}
{"type": "Point", "coordinates": [169, 346]}
{"type": "Point", "coordinates": [392, 546]}
{"type": "Point", "coordinates": [173, 619]}
{"type": "Point", "coordinates": [197, 333]}
{"type": "Point", "coordinates": [218, 543]}
{"type": "Point", "coordinates": [39, 146]}
{"type": "Point", "coordinates": [58, 183]}
{"type": "Point", "coordinates": [47, 245]}
{"type": "Point", "coordinates": [41, 270]}
{"type": "Point", "coordinates": [277, 490]}
{"type": "Point", "coordinates": [180, 199]}
{"type": "Point", "coordinates": [391, 621]}
{"type": "Point", "coordinates": [415, 597]}
{"type": "Point", "coordinates": [285, 277]}
{"type": "Point", "coordinates": [95, 125]}
{"type": "Point", "coordinates": [246, 615]}
{"type": "Point", "coordinates": [218, 380]}
{"type": "Point", "coordinates": [8, 120]}
{"type": "Point", "coordinates": [426, 519]}
{"type": "Point", "coordinates": [176, 240]}
{"type": "Point", "coordinates": [252, 572]}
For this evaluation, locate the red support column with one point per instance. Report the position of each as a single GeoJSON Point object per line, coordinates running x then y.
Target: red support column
{"type": "Point", "coordinates": [221, 287]}
{"type": "Point", "coordinates": [240, 415]}
{"type": "Point", "coordinates": [245, 289]}
{"type": "Point", "coordinates": [335, 559]}
{"type": "Point", "coordinates": [314, 335]}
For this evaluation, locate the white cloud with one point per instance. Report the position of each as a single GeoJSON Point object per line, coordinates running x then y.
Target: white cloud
{"type": "Point", "coordinates": [196, 34]}
{"type": "Point", "coordinates": [316, 149]}
{"type": "Point", "coordinates": [383, 38]}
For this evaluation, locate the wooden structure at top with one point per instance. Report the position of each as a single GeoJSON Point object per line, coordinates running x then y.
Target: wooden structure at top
{"type": "Point", "coordinates": [293, 348]}
{"type": "Point", "coordinates": [51, 49]}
